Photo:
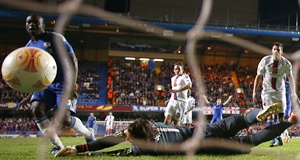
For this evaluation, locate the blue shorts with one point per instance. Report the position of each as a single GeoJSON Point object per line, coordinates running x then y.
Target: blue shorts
{"type": "Point", "coordinates": [288, 109]}
{"type": "Point", "coordinates": [52, 95]}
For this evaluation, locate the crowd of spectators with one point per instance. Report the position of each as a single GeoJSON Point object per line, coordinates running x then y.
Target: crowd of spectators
{"type": "Point", "coordinates": [132, 83]}
{"type": "Point", "coordinates": [18, 125]}
{"type": "Point", "coordinates": [88, 81]}
{"type": "Point", "coordinates": [246, 76]}
{"type": "Point", "coordinates": [6, 93]}
{"type": "Point", "coordinates": [218, 82]}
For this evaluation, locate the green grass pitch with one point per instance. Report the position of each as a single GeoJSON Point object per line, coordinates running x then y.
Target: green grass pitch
{"type": "Point", "coordinates": [28, 149]}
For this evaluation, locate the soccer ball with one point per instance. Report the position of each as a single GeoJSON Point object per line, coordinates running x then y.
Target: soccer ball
{"type": "Point", "coordinates": [29, 69]}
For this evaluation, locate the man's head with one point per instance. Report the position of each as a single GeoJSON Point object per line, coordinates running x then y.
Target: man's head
{"type": "Point", "coordinates": [277, 51]}
{"type": "Point", "coordinates": [141, 129]}
{"type": "Point", "coordinates": [219, 101]}
{"type": "Point", "coordinates": [178, 69]}
{"type": "Point", "coordinates": [35, 25]}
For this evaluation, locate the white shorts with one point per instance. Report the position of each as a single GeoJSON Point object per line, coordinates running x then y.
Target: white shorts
{"type": "Point", "coordinates": [109, 127]}
{"type": "Point", "coordinates": [274, 97]}
{"type": "Point", "coordinates": [72, 105]}
{"type": "Point", "coordinates": [175, 109]}
{"type": "Point", "coordinates": [187, 119]}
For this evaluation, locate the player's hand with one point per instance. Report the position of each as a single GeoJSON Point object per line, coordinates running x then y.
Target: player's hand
{"type": "Point", "coordinates": [295, 98]}
{"type": "Point", "coordinates": [67, 151]}
{"type": "Point", "coordinates": [173, 91]}
{"type": "Point", "coordinates": [166, 103]}
{"type": "Point", "coordinates": [254, 97]}
{"type": "Point", "coordinates": [24, 104]}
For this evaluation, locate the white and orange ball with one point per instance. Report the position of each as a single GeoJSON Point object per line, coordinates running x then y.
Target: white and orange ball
{"type": "Point", "coordinates": [29, 69]}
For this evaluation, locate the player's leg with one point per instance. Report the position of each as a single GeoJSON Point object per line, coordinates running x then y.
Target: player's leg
{"type": "Point", "coordinates": [109, 131]}
{"type": "Point", "coordinates": [229, 126]}
{"type": "Point", "coordinates": [269, 133]}
{"type": "Point", "coordinates": [170, 110]}
{"type": "Point", "coordinates": [179, 111]}
{"type": "Point", "coordinates": [39, 111]}
{"type": "Point", "coordinates": [285, 136]}
{"type": "Point", "coordinates": [75, 123]}
{"type": "Point", "coordinates": [44, 124]}
{"type": "Point", "coordinates": [214, 119]}
{"type": "Point", "coordinates": [189, 119]}
{"type": "Point", "coordinates": [287, 113]}
{"type": "Point", "coordinates": [271, 98]}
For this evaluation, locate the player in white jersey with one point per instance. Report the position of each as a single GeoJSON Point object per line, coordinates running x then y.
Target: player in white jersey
{"type": "Point", "coordinates": [272, 70]}
{"type": "Point", "coordinates": [109, 124]}
{"type": "Point", "coordinates": [180, 83]}
{"type": "Point", "coordinates": [187, 117]}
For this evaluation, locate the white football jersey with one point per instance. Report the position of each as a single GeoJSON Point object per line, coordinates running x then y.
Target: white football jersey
{"type": "Point", "coordinates": [178, 82]}
{"type": "Point", "coordinates": [274, 73]}
{"type": "Point", "coordinates": [109, 120]}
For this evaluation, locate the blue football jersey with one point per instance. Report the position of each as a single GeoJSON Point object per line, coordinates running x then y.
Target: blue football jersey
{"type": "Point", "coordinates": [46, 42]}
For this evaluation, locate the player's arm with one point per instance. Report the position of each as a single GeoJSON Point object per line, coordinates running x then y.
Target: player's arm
{"type": "Point", "coordinates": [257, 81]}
{"type": "Point", "coordinates": [166, 102]}
{"type": "Point", "coordinates": [96, 145]}
{"type": "Point", "coordinates": [292, 86]}
{"type": "Point", "coordinates": [105, 121]}
{"type": "Point", "coordinates": [74, 62]}
{"type": "Point", "coordinates": [119, 152]}
{"type": "Point", "coordinates": [24, 104]}
{"type": "Point", "coordinates": [95, 121]}
{"type": "Point", "coordinates": [229, 98]}
{"type": "Point", "coordinates": [205, 99]}
{"type": "Point", "coordinates": [187, 86]}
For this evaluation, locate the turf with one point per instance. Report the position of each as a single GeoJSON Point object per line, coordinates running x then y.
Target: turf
{"type": "Point", "coordinates": [30, 148]}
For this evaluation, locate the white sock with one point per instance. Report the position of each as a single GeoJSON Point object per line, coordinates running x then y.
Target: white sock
{"type": "Point", "coordinates": [79, 127]}
{"type": "Point", "coordinates": [49, 132]}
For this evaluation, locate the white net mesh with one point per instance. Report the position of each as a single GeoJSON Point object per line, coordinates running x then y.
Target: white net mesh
{"type": "Point", "coordinates": [69, 8]}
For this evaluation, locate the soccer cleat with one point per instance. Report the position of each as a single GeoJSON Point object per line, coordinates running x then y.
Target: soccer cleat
{"type": "Point", "coordinates": [273, 144]}
{"type": "Point", "coordinates": [263, 114]}
{"type": "Point", "coordinates": [293, 117]}
{"type": "Point", "coordinates": [91, 137]}
{"type": "Point", "coordinates": [67, 151]}
{"type": "Point", "coordinates": [54, 150]}
{"type": "Point", "coordinates": [287, 140]}
{"type": "Point", "coordinates": [280, 142]}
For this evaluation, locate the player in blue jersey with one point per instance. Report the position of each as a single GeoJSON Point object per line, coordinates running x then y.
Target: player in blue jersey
{"type": "Point", "coordinates": [91, 121]}
{"type": "Point", "coordinates": [217, 108]}
{"type": "Point", "coordinates": [142, 132]}
{"type": "Point", "coordinates": [49, 99]}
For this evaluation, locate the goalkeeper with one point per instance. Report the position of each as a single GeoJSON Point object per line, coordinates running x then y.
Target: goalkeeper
{"type": "Point", "coordinates": [157, 135]}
